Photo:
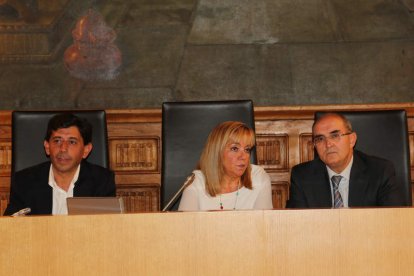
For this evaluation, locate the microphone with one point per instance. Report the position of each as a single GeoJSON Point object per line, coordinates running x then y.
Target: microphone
{"type": "Point", "coordinates": [187, 183]}
{"type": "Point", "coordinates": [22, 212]}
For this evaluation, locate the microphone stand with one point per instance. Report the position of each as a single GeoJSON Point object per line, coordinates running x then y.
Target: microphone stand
{"type": "Point", "coordinates": [187, 183]}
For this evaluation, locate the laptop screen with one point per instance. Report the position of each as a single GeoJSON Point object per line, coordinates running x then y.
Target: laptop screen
{"type": "Point", "coordinates": [95, 205]}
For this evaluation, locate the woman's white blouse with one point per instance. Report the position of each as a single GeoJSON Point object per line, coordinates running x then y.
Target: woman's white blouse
{"type": "Point", "coordinates": [196, 198]}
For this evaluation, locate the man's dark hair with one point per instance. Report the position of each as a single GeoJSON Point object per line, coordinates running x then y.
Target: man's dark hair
{"type": "Point", "coordinates": [65, 120]}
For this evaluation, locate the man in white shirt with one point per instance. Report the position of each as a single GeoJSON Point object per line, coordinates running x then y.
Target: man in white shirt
{"type": "Point", "coordinates": [44, 188]}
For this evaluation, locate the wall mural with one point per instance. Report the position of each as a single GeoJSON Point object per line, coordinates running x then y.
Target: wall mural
{"type": "Point", "coordinates": [34, 31]}
{"type": "Point", "coordinates": [93, 54]}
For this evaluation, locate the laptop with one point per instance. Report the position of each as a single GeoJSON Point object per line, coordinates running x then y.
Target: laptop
{"type": "Point", "coordinates": [95, 205]}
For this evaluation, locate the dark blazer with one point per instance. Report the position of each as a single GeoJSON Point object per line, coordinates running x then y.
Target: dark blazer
{"type": "Point", "coordinates": [30, 187]}
{"type": "Point", "coordinates": [372, 183]}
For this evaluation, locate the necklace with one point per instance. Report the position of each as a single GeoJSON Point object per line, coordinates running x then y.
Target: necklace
{"type": "Point", "coordinates": [235, 202]}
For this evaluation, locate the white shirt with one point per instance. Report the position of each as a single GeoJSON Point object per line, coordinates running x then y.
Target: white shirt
{"type": "Point", "coordinates": [196, 198]}
{"type": "Point", "coordinates": [343, 186]}
{"type": "Point", "coordinates": [59, 195]}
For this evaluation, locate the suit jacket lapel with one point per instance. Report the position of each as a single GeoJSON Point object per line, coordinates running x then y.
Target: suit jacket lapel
{"type": "Point", "coordinates": [358, 182]}
{"type": "Point", "coordinates": [84, 183]}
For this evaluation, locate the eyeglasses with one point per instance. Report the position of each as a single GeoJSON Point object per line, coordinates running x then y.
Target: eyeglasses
{"type": "Point", "coordinates": [335, 136]}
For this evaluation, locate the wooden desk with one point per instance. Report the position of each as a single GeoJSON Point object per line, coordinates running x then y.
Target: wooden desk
{"type": "Point", "coordinates": [279, 242]}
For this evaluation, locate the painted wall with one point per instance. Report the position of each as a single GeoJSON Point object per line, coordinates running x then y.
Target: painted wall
{"type": "Point", "coordinates": [275, 52]}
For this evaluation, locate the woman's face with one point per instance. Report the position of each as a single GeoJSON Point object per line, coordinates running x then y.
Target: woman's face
{"type": "Point", "coordinates": [236, 158]}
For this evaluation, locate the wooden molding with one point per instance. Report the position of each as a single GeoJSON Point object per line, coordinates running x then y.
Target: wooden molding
{"type": "Point", "coordinates": [307, 112]}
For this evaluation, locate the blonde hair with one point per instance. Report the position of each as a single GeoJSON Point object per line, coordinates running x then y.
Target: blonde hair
{"type": "Point", "coordinates": [211, 160]}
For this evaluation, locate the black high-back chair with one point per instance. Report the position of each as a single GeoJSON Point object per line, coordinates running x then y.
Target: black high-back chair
{"type": "Point", "coordinates": [29, 129]}
{"type": "Point", "coordinates": [185, 128]}
{"type": "Point", "coordinates": [384, 134]}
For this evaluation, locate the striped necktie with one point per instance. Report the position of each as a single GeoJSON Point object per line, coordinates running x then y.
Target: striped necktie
{"type": "Point", "coordinates": [338, 203]}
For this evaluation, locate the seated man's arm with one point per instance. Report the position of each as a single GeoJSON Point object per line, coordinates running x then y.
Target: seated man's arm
{"type": "Point", "coordinates": [109, 187]}
{"type": "Point", "coordinates": [297, 197]}
{"type": "Point", "coordinates": [390, 193]}
{"type": "Point", "coordinates": [16, 201]}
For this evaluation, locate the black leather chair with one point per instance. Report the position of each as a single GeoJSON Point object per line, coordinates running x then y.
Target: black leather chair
{"type": "Point", "coordinates": [29, 129]}
{"type": "Point", "coordinates": [185, 128]}
{"type": "Point", "coordinates": [384, 134]}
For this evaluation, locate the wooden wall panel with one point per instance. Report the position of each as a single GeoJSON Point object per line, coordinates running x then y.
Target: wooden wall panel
{"type": "Point", "coordinates": [410, 121]}
{"type": "Point", "coordinates": [5, 157]}
{"type": "Point", "coordinates": [138, 198]}
{"type": "Point", "coordinates": [287, 133]}
{"type": "Point", "coordinates": [280, 192]}
{"type": "Point", "coordinates": [306, 147]}
{"type": "Point", "coordinates": [283, 140]}
{"type": "Point", "coordinates": [272, 152]}
{"type": "Point", "coordinates": [5, 144]}
{"type": "Point", "coordinates": [135, 157]}
{"type": "Point", "coordinates": [411, 144]}
{"type": "Point", "coordinates": [4, 198]}
{"type": "Point", "coordinates": [138, 155]}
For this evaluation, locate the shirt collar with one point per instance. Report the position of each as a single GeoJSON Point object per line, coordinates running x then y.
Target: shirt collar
{"type": "Point", "coordinates": [345, 173]}
{"type": "Point", "coordinates": [53, 184]}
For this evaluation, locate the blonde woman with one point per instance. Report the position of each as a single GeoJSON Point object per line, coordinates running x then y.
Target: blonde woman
{"type": "Point", "coordinates": [225, 179]}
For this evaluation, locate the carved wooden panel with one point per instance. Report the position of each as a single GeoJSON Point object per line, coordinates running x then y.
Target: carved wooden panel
{"type": "Point", "coordinates": [272, 152]}
{"type": "Point", "coordinates": [411, 146]}
{"type": "Point", "coordinates": [5, 157]}
{"type": "Point", "coordinates": [412, 190]}
{"type": "Point", "coordinates": [306, 147]}
{"type": "Point", "coordinates": [134, 155]}
{"type": "Point", "coordinates": [280, 193]}
{"type": "Point", "coordinates": [138, 198]}
{"type": "Point", "coordinates": [4, 199]}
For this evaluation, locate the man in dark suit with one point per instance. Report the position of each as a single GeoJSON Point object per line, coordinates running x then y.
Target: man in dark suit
{"type": "Point", "coordinates": [44, 188]}
{"type": "Point", "coordinates": [341, 176]}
